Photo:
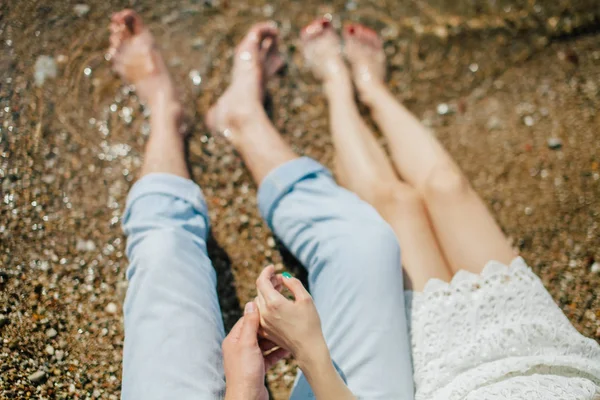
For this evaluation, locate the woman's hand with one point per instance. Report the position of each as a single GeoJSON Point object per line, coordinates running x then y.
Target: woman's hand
{"type": "Point", "coordinates": [292, 324]}
{"type": "Point", "coordinates": [295, 325]}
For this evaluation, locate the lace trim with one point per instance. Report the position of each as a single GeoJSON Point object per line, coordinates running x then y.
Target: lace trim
{"type": "Point", "coordinates": [468, 281]}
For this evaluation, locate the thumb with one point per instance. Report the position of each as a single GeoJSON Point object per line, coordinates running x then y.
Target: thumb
{"type": "Point", "coordinates": [249, 332]}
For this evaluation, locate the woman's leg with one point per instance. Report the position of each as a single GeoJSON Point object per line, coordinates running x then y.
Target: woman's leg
{"type": "Point", "coordinates": [350, 253]}
{"type": "Point", "coordinates": [363, 165]}
{"type": "Point", "coordinates": [173, 323]}
{"type": "Point", "coordinates": [466, 231]}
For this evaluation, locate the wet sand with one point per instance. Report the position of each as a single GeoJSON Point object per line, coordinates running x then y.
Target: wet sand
{"type": "Point", "coordinates": [511, 88]}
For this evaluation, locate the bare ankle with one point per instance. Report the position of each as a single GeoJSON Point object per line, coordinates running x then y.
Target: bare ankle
{"type": "Point", "coordinates": [336, 83]}
{"type": "Point", "coordinates": [370, 91]}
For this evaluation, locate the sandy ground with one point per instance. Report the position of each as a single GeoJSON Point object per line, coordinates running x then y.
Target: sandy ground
{"type": "Point", "coordinates": [519, 81]}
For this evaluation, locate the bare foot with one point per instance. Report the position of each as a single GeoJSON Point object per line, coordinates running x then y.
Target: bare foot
{"type": "Point", "coordinates": [322, 50]}
{"type": "Point", "coordinates": [137, 60]}
{"type": "Point", "coordinates": [364, 51]}
{"type": "Point", "coordinates": [256, 60]}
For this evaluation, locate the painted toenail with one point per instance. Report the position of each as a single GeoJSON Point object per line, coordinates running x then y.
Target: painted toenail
{"type": "Point", "coordinates": [325, 24]}
{"type": "Point", "coordinates": [352, 30]}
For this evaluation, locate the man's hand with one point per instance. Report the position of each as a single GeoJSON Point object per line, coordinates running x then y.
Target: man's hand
{"type": "Point", "coordinates": [245, 365]}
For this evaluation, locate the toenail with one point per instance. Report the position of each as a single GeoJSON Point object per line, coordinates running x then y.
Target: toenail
{"type": "Point", "coordinates": [325, 24]}
{"type": "Point", "coordinates": [351, 30]}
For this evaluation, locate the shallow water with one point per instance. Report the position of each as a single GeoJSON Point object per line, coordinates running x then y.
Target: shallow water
{"type": "Point", "coordinates": [500, 82]}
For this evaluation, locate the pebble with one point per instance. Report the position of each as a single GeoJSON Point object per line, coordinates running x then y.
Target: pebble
{"type": "Point", "coordinates": [268, 10]}
{"type": "Point", "coordinates": [170, 18]}
{"type": "Point", "coordinates": [60, 354]}
{"type": "Point", "coordinates": [443, 109]}
{"type": "Point", "coordinates": [195, 77]}
{"type": "Point", "coordinates": [81, 9]}
{"type": "Point", "coordinates": [45, 67]}
{"type": "Point", "coordinates": [49, 350]}
{"type": "Point", "coordinates": [111, 308]}
{"type": "Point", "coordinates": [271, 242]}
{"type": "Point", "coordinates": [37, 377]}
{"type": "Point", "coordinates": [3, 320]}
{"type": "Point", "coordinates": [198, 42]}
{"type": "Point", "coordinates": [494, 123]}
{"type": "Point", "coordinates": [121, 290]}
{"type": "Point", "coordinates": [175, 62]}
{"type": "Point", "coordinates": [528, 120]}
{"type": "Point", "coordinates": [554, 143]}
{"type": "Point", "coordinates": [85, 245]}
{"type": "Point", "coordinates": [297, 102]}
{"type": "Point", "coordinates": [48, 179]}
{"type": "Point", "coordinates": [595, 267]}
{"type": "Point", "coordinates": [51, 333]}
{"type": "Point", "coordinates": [351, 5]}
{"type": "Point", "coordinates": [589, 314]}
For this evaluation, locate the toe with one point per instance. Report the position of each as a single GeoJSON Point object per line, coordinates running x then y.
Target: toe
{"type": "Point", "coordinates": [259, 39]}
{"type": "Point", "coordinates": [315, 28]}
{"type": "Point", "coordinates": [119, 17]}
{"type": "Point", "coordinates": [349, 33]}
{"type": "Point", "coordinates": [350, 30]}
{"type": "Point", "coordinates": [273, 62]}
{"type": "Point", "coordinates": [367, 35]}
{"type": "Point", "coordinates": [127, 20]}
{"type": "Point", "coordinates": [133, 22]}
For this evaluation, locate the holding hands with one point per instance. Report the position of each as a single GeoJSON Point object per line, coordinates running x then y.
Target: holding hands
{"type": "Point", "coordinates": [291, 324]}
{"type": "Point", "coordinates": [272, 327]}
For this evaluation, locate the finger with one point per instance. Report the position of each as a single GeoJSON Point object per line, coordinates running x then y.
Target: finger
{"type": "Point", "coordinates": [234, 333]}
{"type": "Point", "coordinates": [258, 300]}
{"type": "Point", "coordinates": [265, 286]}
{"type": "Point", "coordinates": [266, 344]}
{"type": "Point", "coordinates": [273, 357]}
{"type": "Point", "coordinates": [277, 282]}
{"type": "Point", "coordinates": [249, 330]}
{"type": "Point", "coordinates": [295, 286]}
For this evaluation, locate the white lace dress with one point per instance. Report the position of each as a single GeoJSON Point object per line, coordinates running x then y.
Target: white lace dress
{"type": "Point", "coordinates": [498, 335]}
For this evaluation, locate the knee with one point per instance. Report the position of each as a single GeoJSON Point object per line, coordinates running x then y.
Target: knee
{"type": "Point", "coordinates": [396, 199]}
{"type": "Point", "coordinates": [374, 244]}
{"type": "Point", "coordinates": [445, 180]}
{"type": "Point", "coordinates": [368, 260]}
{"type": "Point", "coordinates": [164, 251]}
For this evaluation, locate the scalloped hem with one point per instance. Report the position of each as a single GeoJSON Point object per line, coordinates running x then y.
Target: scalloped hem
{"type": "Point", "coordinates": [464, 280]}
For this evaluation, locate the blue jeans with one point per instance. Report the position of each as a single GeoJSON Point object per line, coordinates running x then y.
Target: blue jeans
{"type": "Point", "coordinates": [173, 324]}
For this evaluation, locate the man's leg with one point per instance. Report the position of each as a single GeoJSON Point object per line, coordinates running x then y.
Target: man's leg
{"type": "Point", "coordinates": [351, 254]}
{"type": "Point", "coordinates": [353, 260]}
{"type": "Point", "coordinates": [173, 324]}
